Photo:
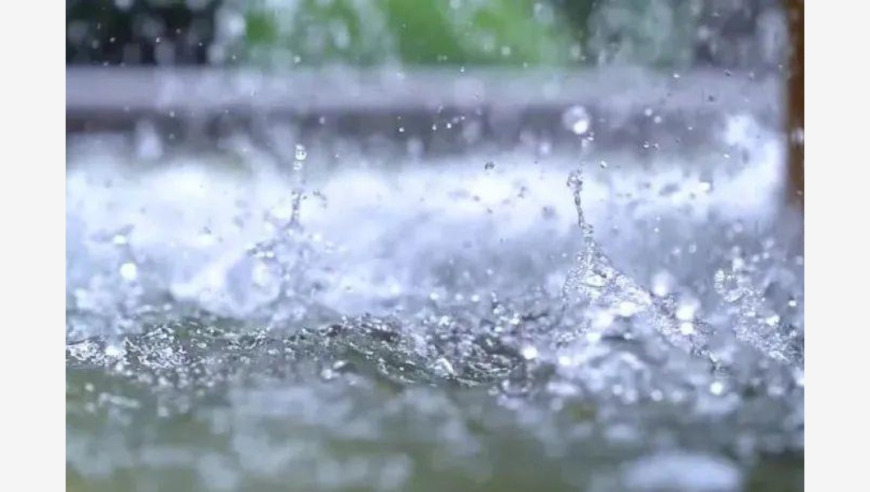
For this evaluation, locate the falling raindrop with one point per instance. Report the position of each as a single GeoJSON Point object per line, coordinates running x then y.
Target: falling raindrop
{"type": "Point", "coordinates": [529, 352]}
{"type": "Point", "coordinates": [128, 271]}
{"type": "Point", "coordinates": [577, 120]}
{"type": "Point", "coordinates": [301, 153]}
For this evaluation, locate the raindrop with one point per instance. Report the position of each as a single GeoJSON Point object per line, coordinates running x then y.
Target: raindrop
{"type": "Point", "coordinates": [577, 120]}
{"type": "Point", "coordinates": [129, 271]}
{"type": "Point", "coordinates": [301, 153]}
{"type": "Point", "coordinates": [662, 284]}
{"type": "Point", "coordinates": [120, 240]}
{"type": "Point", "coordinates": [529, 352]}
{"type": "Point", "coordinates": [687, 328]}
{"type": "Point", "coordinates": [687, 309]}
{"type": "Point", "coordinates": [115, 351]}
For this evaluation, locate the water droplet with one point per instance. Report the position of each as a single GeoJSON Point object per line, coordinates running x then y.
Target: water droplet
{"type": "Point", "coordinates": [445, 366]}
{"type": "Point", "coordinates": [128, 271]}
{"type": "Point", "coordinates": [327, 373]}
{"type": "Point", "coordinates": [662, 284]}
{"type": "Point", "coordinates": [301, 153]}
{"type": "Point", "coordinates": [115, 350]}
{"type": "Point", "coordinates": [686, 309]}
{"type": "Point", "coordinates": [681, 471]}
{"type": "Point", "coordinates": [120, 240]}
{"type": "Point", "coordinates": [717, 388]}
{"type": "Point", "coordinates": [577, 120]}
{"type": "Point", "coordinates": [687, 328]}
{"type": "Point", "coordinates": [529, 352]}
{"type": "Point", "coordinates": [628, 309]}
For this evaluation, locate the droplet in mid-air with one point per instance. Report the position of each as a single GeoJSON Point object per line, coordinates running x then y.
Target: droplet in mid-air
{"type": "Point", "coordinates": [529, 352]}
{"type": "Point", "coordinates": [577, 120]}
{"type": "Point", "coordinates": [129, 271]}
{"type": "Point", "coordinates": [301, 153]}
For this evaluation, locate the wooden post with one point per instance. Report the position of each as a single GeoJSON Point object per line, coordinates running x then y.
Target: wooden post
{"type": "Point", "coordinates": [795, 113]}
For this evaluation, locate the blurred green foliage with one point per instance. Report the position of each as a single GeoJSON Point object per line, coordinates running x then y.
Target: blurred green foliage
{"type": "Point", "coordinates": [470, 32]}
{"type": "Point", "coordinates": [282, 33]}
{"type": "Point", "coordinates": [410, 31]}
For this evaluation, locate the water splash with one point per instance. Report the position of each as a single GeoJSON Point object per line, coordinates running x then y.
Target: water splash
{"type": "Point", "coordinates": [476, 349]}
{"type": "Point", "coordinates": [605, 294]}
{"type": "Point", "coordinates": [299, 157]}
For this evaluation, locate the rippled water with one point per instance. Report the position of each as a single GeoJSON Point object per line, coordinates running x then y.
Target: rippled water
{"type": "Point", "coordinates": [492, 322]}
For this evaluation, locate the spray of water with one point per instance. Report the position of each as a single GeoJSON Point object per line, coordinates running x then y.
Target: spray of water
{"type": "Point", "coordinates": [606, 294]}
{"type": "Point", "coordinates": [470, 343]}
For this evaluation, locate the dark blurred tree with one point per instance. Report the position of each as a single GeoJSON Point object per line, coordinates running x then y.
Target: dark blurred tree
{"type": "Point", "coordinates": [739, 34]}
{"type": "Point", "coordinates": [139, 32]}
{"type": "Point", "coordinates": [663, 33]}
{"type": "Point", "coordinates": [576, 14]}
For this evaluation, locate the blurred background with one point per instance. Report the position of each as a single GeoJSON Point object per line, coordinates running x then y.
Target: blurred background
{"type": "Point", "coordinates": [735, 34]}
{"type": "Point", "coordinates": [498, 72]}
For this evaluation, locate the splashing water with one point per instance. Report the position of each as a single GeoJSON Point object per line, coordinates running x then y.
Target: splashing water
{"type": "Point", "coordinates": [605, 294]}
{"type": "Point", "coordinates": [397, 342]}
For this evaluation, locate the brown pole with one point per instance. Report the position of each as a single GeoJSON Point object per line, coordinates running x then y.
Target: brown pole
{"type": "Point", "coordinates": [795, 123]}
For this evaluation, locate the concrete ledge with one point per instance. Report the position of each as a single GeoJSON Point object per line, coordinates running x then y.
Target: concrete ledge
{"type": "Point", "coordinates": [441, 108]}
